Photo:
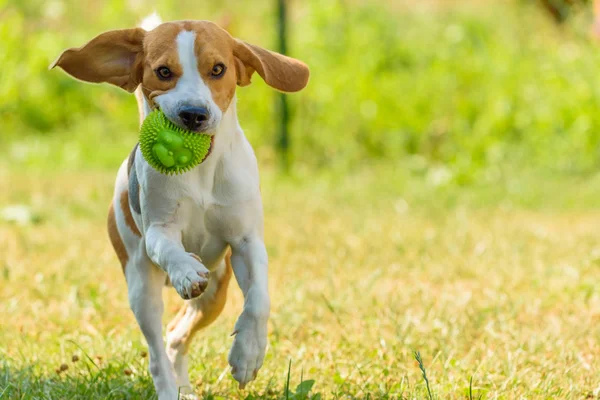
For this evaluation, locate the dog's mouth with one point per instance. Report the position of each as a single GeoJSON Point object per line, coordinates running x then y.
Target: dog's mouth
{"type": "Point", "coordinates": [212, 136]}
{"type": "Point", "coordinates": [210, 148]}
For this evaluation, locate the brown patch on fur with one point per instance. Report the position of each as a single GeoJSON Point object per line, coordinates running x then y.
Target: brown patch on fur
{"type": "Point", "coordinates": [160, 49]}
{"type": "Point", "coordinates": [210, 309]}
{"type": "Point", "coordinates": [127, 213]}
{"type": "Point", "coordinates": [115, 237]}
{"type": "Point", "coordinates": [214, 45]}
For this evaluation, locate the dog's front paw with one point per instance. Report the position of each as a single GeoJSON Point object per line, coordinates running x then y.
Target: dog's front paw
{"type": "Point", "coordinates": [190, 279]}
{"type": "Point", "coordinates": [248, 350]}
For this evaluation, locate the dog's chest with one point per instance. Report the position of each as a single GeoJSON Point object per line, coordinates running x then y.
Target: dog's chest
{"type": "Point", "coordinates": [220, 208]}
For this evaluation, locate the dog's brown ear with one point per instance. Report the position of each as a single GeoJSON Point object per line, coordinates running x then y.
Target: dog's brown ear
{"type": "Point", "coordinates": [278, 71]}
{"type": "Point", "coordinates": [115, 57]}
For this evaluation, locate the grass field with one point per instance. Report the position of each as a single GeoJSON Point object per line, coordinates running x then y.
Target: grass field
{"type": "Point", "coordinates": [490, 287]}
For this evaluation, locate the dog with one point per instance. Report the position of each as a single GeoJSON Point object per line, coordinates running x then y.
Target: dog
{"type": "Point", "coordinates": [195, 229]}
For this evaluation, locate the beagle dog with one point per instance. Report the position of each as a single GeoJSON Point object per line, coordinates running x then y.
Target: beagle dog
{"type": "Point", "coordinates": [190, 230]}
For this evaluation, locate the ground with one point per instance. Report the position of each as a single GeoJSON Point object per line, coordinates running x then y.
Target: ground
{"type": "Point", "coordinates": [496, 287]}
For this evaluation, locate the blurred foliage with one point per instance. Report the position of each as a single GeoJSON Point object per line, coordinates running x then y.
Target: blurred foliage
{"type": "Point", "coordinates": [455, 88]}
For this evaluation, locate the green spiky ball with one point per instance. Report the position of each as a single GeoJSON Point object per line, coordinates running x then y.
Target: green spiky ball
{"type": "Point", "coordinates": [170, 149]}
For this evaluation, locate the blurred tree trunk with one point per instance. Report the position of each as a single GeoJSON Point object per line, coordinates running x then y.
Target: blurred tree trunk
{"type": "Point", "coordinates": [283, 142]}
{"type": "Point", "coordinates": [560, 9]}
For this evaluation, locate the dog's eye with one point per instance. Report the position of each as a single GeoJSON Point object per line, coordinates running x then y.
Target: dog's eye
{"type": "Point", "coordinates": [218, 70]}
{"type": "Point", "coordinates": [164, 73]}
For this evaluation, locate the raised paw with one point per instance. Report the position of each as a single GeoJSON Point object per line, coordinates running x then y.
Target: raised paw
{"type": "Point", "coordinates": [189, 280]}
{"type": "Point", "coordinates": [248, 351]}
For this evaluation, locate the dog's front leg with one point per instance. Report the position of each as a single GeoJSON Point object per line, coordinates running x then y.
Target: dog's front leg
{"type": "Point", "coordinates": [186, 272]}
{"type": "Point", "coordinates": [250, 265]}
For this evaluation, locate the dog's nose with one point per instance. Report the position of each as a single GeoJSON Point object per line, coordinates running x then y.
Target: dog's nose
{"type": "Point", "coordinates": [193, 117]}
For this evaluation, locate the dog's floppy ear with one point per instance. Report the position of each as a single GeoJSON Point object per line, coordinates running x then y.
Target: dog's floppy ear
{"type": "Point", "coordinates": [115, 57]}
{"type": "Point", "coordinates": [278, 71]}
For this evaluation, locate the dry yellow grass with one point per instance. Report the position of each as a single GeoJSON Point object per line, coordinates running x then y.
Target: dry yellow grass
{"type": "Point", "coordinates": [506, 296]}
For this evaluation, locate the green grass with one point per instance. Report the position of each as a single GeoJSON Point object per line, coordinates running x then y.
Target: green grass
{"type": "Point", "coordinates": [497, 290]}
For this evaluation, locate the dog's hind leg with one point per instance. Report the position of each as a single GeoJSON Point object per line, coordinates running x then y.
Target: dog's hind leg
{"type": "Point", "coordinates": [194, 315]}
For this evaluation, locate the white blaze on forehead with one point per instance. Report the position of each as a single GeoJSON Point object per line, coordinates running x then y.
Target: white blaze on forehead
{"type": "Point", "coordinates": [190, 89]}
{"type": "Point", "coordinates": [191, 81]}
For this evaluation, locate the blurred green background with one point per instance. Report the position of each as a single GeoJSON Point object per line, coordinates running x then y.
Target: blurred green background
{"type": "Point", "coordinates": [465, 88]}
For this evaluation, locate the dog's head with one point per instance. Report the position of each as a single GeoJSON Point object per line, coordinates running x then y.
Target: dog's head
{"type": "Point", "coordinates": [189, 69]}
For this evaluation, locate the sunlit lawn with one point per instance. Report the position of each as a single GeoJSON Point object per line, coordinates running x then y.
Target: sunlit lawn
{"type": "Point", "coordinates": [493, 286]}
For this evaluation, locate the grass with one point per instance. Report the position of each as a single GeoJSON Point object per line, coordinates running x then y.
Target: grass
{"type": "Point", "coordinates": [496, 288]}
{"type": "Point", "coordinates": [424, 371]}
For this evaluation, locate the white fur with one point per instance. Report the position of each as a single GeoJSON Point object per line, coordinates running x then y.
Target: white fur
{"type": "Point", "coordinates": [190, 89]}
{"type": "Point", "coordinates": [213, 207]}
{"type": "Point", "coordinates": [151, 21]}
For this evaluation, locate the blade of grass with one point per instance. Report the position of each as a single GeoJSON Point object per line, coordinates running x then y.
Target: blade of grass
{"type": "Point", "coordinates": [417, 356]}
{"type": "Point", "coordinates": [287, 384]}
